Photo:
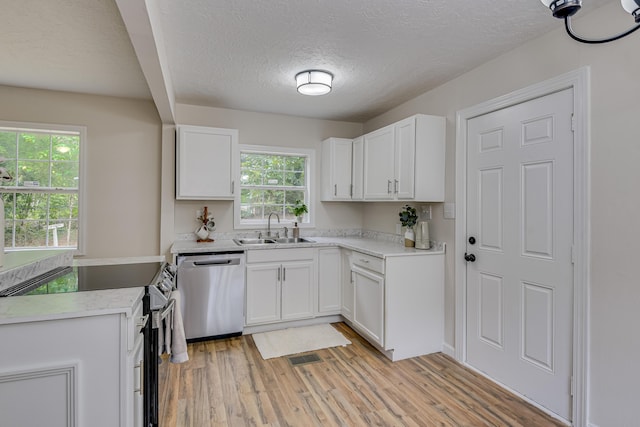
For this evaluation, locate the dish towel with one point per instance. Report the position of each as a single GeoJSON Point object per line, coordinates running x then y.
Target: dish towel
{"type": "Point", "coordinates": [175, 342]}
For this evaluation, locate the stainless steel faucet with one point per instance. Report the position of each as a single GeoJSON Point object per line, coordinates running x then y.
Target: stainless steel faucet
{"type": "Point", "coordinates": [269, 223]}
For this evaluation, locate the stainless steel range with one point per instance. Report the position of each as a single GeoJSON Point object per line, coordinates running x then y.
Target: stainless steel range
{"type": "Point", "coordinates": [159, 281]}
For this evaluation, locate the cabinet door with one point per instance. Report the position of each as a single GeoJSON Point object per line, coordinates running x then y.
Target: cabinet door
{"type": "Point", "coordinates": [263, 293]}
{"type": "Point", "coordinates": [368, 312]}
{"type": "Point", "coordinates": [205, 162]}
{"type": "Point", "coordinates": [379, 164]}
{"type": "Point", "coordinates": [347, 285]}
{"type": "Point", "coordinates": [357, 169]}
{"type": "Point", "coordinates": [329, 277]}
{"type": "Point", "coordinates": [336, 169]}
{"type": "Point", "coordinates": [297, 290]}
{"type": "Point", "coordinates": [342, 155]}
{"type": "Point", "coordinates": [405, 150]}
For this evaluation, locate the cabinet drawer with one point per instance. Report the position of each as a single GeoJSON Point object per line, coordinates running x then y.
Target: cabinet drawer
{"type": "Point", "coordinates": [369, 262]}
{"type": "Point", "coordinates": [279, 255]}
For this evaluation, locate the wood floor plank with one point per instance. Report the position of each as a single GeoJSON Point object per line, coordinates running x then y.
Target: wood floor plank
{"type": "Point", "coordinates": [227, 383]}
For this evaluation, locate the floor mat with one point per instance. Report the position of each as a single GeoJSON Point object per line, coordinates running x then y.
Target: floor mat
{"type": "Point", "coordinates": [298, 340]}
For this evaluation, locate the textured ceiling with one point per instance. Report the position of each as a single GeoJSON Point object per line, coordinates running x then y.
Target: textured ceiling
{"type": "Point", "coordinates": [244, 54]}
{"type": "Point", "coordinates": [70, 45]}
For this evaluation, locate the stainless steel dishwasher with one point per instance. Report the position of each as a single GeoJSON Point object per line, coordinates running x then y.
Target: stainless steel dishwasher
{"type": "Point", "coordinates": [212, 291]}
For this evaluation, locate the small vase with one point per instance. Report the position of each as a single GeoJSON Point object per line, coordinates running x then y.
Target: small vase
{"type": "Point", "coordinates": [409, 238]}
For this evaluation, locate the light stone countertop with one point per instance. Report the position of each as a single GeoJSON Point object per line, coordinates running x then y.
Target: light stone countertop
{"type": "Point", "coordinates": [23, 265]}
{"type": "Point", "coordinates": [373, 247]}
{"type": "Point", "coordinates": [36, 308]}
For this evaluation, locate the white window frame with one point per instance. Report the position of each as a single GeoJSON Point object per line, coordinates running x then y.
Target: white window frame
{"type": "Point", "coordinates": [310, 183]}
{"type": "Point", "coordinates": [82, 132]}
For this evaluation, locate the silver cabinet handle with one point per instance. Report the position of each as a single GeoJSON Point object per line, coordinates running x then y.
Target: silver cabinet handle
{"type": "Point", "coordinates": [395, 186]}
{"type": "Point", "coordinates": [284, 274]}
{"type": "Point", "coordinates": [279, 273]}
{"type": "Point", "coordinates": [366, 261]}
{"type": "Point", "coordinates": [335, 189]}
{"type": "Point", "coordinates": [389, 186]}
{"type": "Point", "coordinates": [140, 388]}
{"type": "Point", "coordinates": [351, 191]}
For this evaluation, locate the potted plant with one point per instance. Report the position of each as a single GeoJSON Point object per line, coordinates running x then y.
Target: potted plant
{"type": "Point", "coordinates": [299, 209]}
{"type": "Point", "coordinates": [408, 219]}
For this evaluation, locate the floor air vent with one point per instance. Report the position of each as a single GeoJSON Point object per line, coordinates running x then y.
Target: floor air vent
{"type": "Point", "coordinates": [304, 359]}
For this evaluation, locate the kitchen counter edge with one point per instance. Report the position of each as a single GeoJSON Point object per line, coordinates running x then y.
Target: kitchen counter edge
{"type": "Point", "coordinates": [373, 247]}
{"type": "Point", "coordinates": [37, 308]}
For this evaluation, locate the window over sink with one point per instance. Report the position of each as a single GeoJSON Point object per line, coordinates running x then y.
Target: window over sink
{"type": "Point", "coordinates": [43, 198]}
{"type": "Point", "coordinates": [272, 180]}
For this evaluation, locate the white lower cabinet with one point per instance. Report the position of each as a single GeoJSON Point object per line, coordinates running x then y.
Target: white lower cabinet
{"type": "Point", "coordinates": [329, 279]}
{"type": "Point", "coordinates": [280, 285]}
{"type": "Point", "coordinates": [368, 311]}
{"type": "Point", "coordinates": [398, 302]}
{"type": "Point", "coordinates": [347, 285]}
{"type": "Point", "coordinates": [79, 371]}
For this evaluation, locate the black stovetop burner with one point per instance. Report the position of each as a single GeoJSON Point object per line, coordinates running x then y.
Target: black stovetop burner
{"type": "Point", "coordinates": [87, 278]}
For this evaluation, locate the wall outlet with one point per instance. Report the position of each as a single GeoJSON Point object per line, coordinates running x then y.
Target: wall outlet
{"type": "Point", "coordinates": [398, 228]}
{"type": "Point", "coordinates": [425, 213]}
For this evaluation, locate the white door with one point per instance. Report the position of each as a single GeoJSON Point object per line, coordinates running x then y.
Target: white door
{"type": "Point", "coordinates": [520, 213]}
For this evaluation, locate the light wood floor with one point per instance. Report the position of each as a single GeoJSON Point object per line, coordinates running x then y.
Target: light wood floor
{"type": "Point", "coordinates": [227, 383]}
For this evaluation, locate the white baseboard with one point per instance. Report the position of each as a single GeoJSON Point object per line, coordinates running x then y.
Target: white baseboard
{"type": "Point", "coordinates": [449, 350]}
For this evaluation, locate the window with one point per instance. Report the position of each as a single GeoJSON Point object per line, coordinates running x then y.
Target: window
{"type": "Point", "coordinates": [42, 200]}
{"type": "Point", "coordinates": [272, 180]}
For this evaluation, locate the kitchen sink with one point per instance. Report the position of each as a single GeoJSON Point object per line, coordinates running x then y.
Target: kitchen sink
{"type": "Point", "coordinates": [294, 240]}
{"type": "Point", "coordinates": [254, 241]}
{"type": "Point", "coordinates": [242, 242]}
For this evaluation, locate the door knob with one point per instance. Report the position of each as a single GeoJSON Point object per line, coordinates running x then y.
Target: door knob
{"type": "Point", "coordinates": [469, 257]}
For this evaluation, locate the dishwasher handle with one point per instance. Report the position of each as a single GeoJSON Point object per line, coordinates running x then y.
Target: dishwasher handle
{"type": "Point", "coordinates": [210, 262]}
{"type": "Point", "coordinates": [216, 262]}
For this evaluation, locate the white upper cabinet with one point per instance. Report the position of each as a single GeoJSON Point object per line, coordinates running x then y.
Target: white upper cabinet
{"type": "Point", "coordinates": [405, 160]}
{"type": "Point", "coordinates": [336, 169]}
{"type": "Point", "coordinates": [357, 170]}
{"type": "Point", "coordinates": [379, 164]}
{"type": "Point", "coordinates": [205, 163]}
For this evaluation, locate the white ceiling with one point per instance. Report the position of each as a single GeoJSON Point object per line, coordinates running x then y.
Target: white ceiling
{"type": "Point", "coordinates": [244, 54]}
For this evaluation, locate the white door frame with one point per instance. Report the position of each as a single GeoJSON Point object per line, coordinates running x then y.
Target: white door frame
{"type": "Point", "coordinates": [579, 81]}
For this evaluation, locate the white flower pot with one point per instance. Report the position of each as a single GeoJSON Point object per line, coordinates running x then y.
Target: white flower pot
{"type": "Point", "coordinates": [409, 237]}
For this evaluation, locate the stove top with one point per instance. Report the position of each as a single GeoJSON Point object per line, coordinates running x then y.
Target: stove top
{"type": "Point", "coordinates": [88, 278]}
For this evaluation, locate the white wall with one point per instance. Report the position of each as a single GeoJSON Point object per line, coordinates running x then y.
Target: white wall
{"type": "Point", "coordinates": [256, 129]}
{"type": "Point", "coordinates": [122, 164]}
{"type": "Point", "coordinates": [615, 155]}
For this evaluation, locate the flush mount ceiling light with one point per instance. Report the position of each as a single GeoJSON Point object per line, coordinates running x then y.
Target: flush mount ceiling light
{"type": "Point", "coordinates": [565, 9]}
{"type": "Point", "coordinates": [314, 82]}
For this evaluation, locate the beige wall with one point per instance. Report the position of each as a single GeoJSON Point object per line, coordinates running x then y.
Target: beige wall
{"type": "Point", "coordinates": [122, 164]}
{"type": "Point", "coordinates": [615, 155]}
{"type": "Point", "coordinates": [260, 129]}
